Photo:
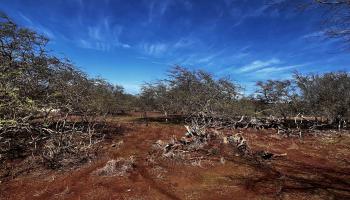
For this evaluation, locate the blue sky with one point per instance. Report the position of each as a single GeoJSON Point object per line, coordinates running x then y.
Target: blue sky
{"type": "Point", "coordinates": [129, 42]}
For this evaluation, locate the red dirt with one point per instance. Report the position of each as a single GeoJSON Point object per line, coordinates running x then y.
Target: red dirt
{"type": "Point", "coordinates": [314, 168]}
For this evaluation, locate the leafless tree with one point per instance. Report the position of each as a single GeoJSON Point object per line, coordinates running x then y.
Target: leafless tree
{"type": "Point", "coordinates": [326, 95]}
{"type": "Point", "coordinates": [194, 94]}
{"type": "Point", "coordinates": [278, 96]}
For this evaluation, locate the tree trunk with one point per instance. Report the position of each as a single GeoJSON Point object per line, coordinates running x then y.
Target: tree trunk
{"type": "Point", "coordinates": [145, 118]}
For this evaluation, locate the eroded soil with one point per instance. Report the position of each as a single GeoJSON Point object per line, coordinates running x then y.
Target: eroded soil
{"type": "Point", "coordinates": [316, 167]}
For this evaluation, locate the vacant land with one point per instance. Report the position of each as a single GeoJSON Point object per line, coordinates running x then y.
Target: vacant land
{"type": "Point", "coordinates": [313, 167]}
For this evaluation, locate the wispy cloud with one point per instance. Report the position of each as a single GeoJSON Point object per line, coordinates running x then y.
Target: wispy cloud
{"type": "Point", "coordinates": [156, 49]}
{"type": "Point", "coordinates": [185, 42]}
{"type": "Point", "coordinates": [258, 64]}
{"type": "Point", "coordinates": [316, 34]}
{"type": "Point", "coordinates": [276, 72]}
{"type": "Point", "coordinates": [36, 26]}
{"type": "Point", "coordinates": [210, 57]}
{"type": "Point", "coordinates": [278, 69]}
{"type": "Point", "coordinates": [263, 69]}
{"type": "Point", "coordinates": [29, 21]}
{"type": "Point", "coordinates": [171, 49]}
{"type": "Point", "coordinates": [157, 9]}
{"type": "Point", "coordinates": [241, 15]}
{"type": "Point", "coordinates": [103, 36]}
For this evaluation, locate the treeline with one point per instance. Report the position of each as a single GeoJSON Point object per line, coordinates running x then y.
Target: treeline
{"type": "Point", "coordinates": [322, 97]}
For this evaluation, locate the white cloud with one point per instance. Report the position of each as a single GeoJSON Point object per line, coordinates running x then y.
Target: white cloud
{"type": "Point", "coordinates": [275, 72]}
{"type": "Point", "coordinates": [154, 49]}
{"type": "Point", "coordinates": [102, 36]}
{"type": "Point", "coordinates": [157, 9]}
{"type": "Point", "coordinates": [206, 59]}
{"type": "Point", "coordinates": [37, 27]}
{"type": "Point", "coordinates": [84, 44]}
{"type": "Point", "coordinates": [316, 34]}
{"type": "Point", "coordinates": [240, 14]}
{"type": "Point", "coordinates": [29, 21]}
{"type": "Point", "coordinates": [210, 57]}
{"type": "Point", "coordinates": [95, 33]}
{"type": "Point", "coordinates": [184, 42]}
{"type": "Point", "coordinates": [126, 46]}
{"type": "Point", "coordinates": [258, 64]}
{"type": "Point", "coordinates": [261, 70]}
{"type": "Point", "coordinates": [276, 69]}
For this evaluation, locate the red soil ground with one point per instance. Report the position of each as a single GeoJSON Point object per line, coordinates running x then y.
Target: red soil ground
{"type": "Point", "coordinates": [314, 168]}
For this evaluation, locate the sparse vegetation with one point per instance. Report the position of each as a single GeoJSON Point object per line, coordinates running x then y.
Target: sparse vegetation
{"type": "Point", "coordinates": [54, 115]}
{"type": "Point", "coordinates": [41, 94]}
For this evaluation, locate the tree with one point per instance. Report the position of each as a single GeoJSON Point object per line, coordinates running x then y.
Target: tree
{"type": "Point", "coordinates": [191, 93]}
{"type": "Point", "coordinates": [23, 69]}
{"type": "Point", "coordinates": [278, 96]}
{"type": "Point", "coordinates": [326, 95]}
{"type": "Point", "coordinates": [155, 96]}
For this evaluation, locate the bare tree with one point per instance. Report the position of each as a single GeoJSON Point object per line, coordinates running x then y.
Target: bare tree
{"type": "Point", "coordinates": [326, 95]}
{"type": "Point", "coordinates": [155, 96]}
{"type": "Point", "coordinates": [194, 94]}
{"type": "Point", "coordinates": [278, 96]}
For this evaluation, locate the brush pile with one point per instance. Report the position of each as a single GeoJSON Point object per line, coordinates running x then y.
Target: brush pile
{"type": "Point", "coordinates": [199, 142]}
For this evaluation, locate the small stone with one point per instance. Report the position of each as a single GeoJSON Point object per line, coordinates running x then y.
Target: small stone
{"type": "Point", "coordinates": [222, 160]}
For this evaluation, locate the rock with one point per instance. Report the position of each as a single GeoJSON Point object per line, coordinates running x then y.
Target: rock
{"type": "Point", "coordinates": [222, 160]}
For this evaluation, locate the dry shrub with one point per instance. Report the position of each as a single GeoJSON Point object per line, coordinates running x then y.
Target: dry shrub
{"type": "Point", "coordinates": [68, 149]}
{"type": "Point", "coordinates": [119, 167]}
